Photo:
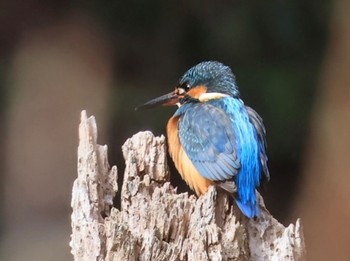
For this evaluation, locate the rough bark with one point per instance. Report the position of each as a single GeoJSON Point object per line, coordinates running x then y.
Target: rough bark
{"type": "Point", "coordinates": [157, 223]}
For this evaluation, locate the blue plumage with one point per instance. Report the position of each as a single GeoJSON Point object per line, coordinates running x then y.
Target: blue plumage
{"type": "Point", "coordinates": [209, 141]}
{"type": "Point", "coordinates": [223, 144]}
{"type": "Point", "coordinates": [214, 75]}
{"type": "Point", "coordinates": [223, 138]}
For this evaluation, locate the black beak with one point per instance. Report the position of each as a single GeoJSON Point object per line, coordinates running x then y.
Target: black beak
{"type": "Point", "coordinates": [164, 100]}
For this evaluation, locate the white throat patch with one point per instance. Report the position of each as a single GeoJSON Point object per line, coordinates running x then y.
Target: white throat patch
{"type": "Point", "coordinates": [211, 96]}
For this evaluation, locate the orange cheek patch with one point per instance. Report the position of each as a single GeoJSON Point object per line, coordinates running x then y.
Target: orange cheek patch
{"type": "Point", "coordinates": [182, 163]}
{"type": "Point", "coordinates": [197, 91]}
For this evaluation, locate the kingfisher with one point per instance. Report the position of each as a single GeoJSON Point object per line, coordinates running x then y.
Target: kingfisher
{"type": "Point", "coordinates": [213, 137]}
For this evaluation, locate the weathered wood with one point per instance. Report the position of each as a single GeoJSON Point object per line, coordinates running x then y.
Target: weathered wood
{"type": "Point", "coordinates": [92, 196]}
{"type": "Point", "coordinates": [157, 223]}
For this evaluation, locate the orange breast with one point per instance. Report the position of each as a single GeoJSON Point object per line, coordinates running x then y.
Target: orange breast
{"type": "Point", "coordinates": [183, 164]}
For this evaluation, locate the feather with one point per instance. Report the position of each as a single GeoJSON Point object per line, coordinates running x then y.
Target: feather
{"type": "Point", "coordinates": [258, 124]}
{"type": "Point", "coordinates": [208, 139]}
{"type": "Point", "coordinates": [183, 164]}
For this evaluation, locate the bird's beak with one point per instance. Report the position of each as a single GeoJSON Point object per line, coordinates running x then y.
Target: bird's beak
{"type": "Point", "coordinates": [164, 100]}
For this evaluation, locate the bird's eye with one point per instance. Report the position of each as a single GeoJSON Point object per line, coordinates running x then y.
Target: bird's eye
{"type": "Point", "coordinates": [183, 88]}
{"type": "Point", "coordinates": [186, 86]}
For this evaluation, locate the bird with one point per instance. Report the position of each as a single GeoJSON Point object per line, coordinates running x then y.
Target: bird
{"type": "Point", "coordinates": [213, 137]}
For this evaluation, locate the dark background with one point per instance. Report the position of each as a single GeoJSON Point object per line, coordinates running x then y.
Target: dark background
{"type": "Point", "coordinates": [60, 57]}
{"type": "Point", "coordinates": [275, 49]}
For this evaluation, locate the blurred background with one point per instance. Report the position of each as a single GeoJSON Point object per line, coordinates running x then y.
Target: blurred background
{"type": "Point", "coordinates": [292, 64]}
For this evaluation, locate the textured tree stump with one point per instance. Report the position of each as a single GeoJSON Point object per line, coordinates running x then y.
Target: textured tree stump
{"type": "Point", "coordinates": [157, 223]}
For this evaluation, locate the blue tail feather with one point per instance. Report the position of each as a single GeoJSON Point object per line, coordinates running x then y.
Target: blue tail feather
{"type": "Point", "coordinates": [249, 209]}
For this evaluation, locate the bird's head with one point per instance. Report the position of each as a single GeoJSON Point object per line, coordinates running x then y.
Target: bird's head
{"type": "Point", "coordinates": [201, 83]}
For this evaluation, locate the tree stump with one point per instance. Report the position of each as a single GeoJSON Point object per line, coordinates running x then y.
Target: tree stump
{"type": "Point", "coordinates": [157, 223]}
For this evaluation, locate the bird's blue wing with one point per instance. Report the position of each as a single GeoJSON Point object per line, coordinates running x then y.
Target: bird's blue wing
{"type": "Point", "coordinates": [208, 139]}
{"type": "Point", "coordinates": [257, 122]}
